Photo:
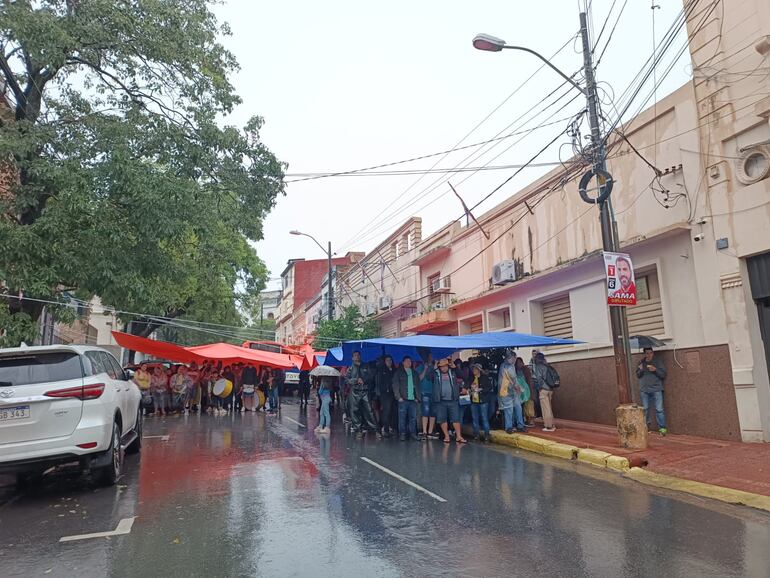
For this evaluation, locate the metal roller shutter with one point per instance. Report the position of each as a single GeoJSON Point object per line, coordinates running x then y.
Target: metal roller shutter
{"type": "Point", "coordinates": [646, 318]}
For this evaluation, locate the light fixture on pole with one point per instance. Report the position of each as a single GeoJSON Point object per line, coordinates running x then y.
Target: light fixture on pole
{"type": "Point", "coordinates": [328, 252]}
{"type": "Point", "coordinates": [626, 413]}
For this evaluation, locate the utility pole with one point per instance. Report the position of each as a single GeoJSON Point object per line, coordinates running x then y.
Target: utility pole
{"type": "Point", "coordinates": [632, 429]}
{"type": "Point", "coordinates": [618, 321]}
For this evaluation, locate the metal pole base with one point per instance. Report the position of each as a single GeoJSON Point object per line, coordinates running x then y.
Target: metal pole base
{"type": "Point", "coordinates": [632, 428]}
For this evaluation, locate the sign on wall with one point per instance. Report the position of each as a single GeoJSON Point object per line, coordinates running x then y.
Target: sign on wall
{"type": "Point", "coordinates": [621, 285]}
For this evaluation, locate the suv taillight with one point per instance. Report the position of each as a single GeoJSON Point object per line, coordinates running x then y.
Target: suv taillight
{"type": "Point", "coordinates": [93, 391]}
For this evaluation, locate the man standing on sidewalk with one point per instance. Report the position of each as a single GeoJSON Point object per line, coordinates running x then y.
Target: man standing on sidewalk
{"type": "Point", "coordinates": [652, 373]}
{"type": "Point", "coordinates": [544, 384]}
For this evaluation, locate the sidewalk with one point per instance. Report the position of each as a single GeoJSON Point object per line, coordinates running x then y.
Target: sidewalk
{"type": "Point", "coordinates": [741, 466]}
{"type": "Point", "coordinates": [696, 465]}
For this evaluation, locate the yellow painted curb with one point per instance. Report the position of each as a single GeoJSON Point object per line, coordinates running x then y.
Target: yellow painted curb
{"type": "Point", "coordinates": [532, 443]}
{"type": "Point", "coordinates": [618, 463]}
{"type": "Point", "coordinates": [727, 495]}
{"type": "Point", "coordinates": [504, 439]}
{"type": "Point", "coordinates": [563, 451]}
{"type": "Point", "coordinates": [594, 457]}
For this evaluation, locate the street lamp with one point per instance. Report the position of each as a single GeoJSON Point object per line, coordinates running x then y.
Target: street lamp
{"type": "Point", "coordinates": [489, 43]}
{"type": "Point", "coordinates": [328, 252]}
{"type": "Point", "coordinates": [618, 320]}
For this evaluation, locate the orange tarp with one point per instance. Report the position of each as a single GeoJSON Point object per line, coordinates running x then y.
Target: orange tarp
{"type": "Point", "coordinates": [224, 352]}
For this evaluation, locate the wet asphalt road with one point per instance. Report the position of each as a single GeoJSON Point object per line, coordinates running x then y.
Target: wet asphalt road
{"type": "Point", "coordinates": [253, 495]}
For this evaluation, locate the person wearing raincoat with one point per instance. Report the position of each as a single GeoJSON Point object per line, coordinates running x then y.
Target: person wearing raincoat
{"type": "Point", "coordinates": [510, 394]}
{"type": "Point", "coordinates": [524, 378]}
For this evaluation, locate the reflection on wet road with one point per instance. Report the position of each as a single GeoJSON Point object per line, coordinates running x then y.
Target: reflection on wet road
{"type": "Point", "coordinates": [252, 495]}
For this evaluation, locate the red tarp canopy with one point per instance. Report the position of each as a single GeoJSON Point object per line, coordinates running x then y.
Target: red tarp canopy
{"type": "Point", "coordinates": [224, 352]}
{"type": "Point", "coordinates": [228, 353]}
{"type": "Point", "coordinates": [159, 349]}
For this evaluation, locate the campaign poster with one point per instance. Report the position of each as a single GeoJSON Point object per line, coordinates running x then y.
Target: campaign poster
{"type": "Point", "coordinates": [621, 285]}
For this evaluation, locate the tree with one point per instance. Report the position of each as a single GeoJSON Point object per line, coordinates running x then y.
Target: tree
{"type": "Point", "coordinates": [124, 181]}
{"type": "Point", "coordinates": [351, 325]}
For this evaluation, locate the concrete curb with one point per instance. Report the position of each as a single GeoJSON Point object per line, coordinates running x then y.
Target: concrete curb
{"type": "Point", "coordinates": [555, 449]}
{"type": "Point", "coordinates": [620, 464]}
{"type": "Point", "coordinates": [728, 495]}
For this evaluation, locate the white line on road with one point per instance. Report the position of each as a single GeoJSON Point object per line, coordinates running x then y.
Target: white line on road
{"type": "Point", "coordinates": [124, 527]}
{"type": "Point", "coordinates": [293, 421]}
{"type": "Point", "coordinates": [403, 479]}
{"type": "Point", "coordinates": [162, 438]}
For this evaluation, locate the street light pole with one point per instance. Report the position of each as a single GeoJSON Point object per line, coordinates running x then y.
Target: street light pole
{"type": "Point", "coordinates": [618, 320]}
{"type": "Point", "coordinates": [330, 289]}
{"type": "Point", "coordinates": [328, 251]}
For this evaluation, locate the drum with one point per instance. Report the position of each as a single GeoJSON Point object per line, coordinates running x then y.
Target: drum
{"type": "Point", "coordinates": [223, 388]}
{"type": "Point", "coordinates": [260, 399]}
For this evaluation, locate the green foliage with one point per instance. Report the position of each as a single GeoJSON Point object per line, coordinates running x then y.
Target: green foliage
{"type": "Point", "coordinates": [351, 325]}
{"type": "Point", "coordinates": [125, 182]}
{"type": "Point", "coordinates": [15, 328]}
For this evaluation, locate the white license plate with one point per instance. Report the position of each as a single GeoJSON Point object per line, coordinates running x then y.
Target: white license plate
{"type": "Point", "coordinates": [18, 412]}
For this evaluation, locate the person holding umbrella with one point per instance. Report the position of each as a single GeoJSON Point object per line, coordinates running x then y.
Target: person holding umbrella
{"type": "Point", "coordinates": [327, 376]}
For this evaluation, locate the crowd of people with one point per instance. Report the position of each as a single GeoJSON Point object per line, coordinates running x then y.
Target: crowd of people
{"type": "Point", "coordinates": [181, 389]}
{"type": "Point", "coordinates": [417, 399]}
{"type": "Point", "coordinates": [387, 399]}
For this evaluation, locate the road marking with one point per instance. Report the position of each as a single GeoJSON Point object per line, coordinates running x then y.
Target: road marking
{"type": "Point", "coordinates": [293, 421]}
{"type": "Point", "coordinates": [403, 479]}
{"type": "Point", "coordinates": [124, 527]}
{"type": "Point", "coordinates": [162, 438]}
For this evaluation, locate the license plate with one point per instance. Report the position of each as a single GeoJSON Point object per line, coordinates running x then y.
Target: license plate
{"type": "Point", "coordinates": [18, 412]}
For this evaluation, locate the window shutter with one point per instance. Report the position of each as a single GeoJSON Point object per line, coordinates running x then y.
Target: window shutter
{"type": "Point", "coordinates": [476, 326]}
{"type": "Point", "coordinates": [557, 318]}
{"type": "Point", "coordinates": [646, 318]}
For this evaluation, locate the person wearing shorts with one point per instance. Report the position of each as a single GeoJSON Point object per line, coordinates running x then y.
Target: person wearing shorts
{"type": "Point", "coordinates": [426, 407]}
{"type": "Point", "coordinates": [446, 395]}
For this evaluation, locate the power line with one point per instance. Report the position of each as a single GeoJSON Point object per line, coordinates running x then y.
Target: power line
{"type": "Point", "coordinates": [409, 188]}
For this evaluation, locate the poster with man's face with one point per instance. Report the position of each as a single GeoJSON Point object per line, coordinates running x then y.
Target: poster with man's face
{"type": "Point", "coordinates": [621, 286]}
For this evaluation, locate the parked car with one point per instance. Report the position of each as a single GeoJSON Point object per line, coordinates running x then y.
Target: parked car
{"type": "Point", "coordinates": [66, 403]}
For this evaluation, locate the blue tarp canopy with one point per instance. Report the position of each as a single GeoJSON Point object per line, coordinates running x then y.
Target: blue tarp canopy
{"type": "Point", "coordinates": [416, 346]}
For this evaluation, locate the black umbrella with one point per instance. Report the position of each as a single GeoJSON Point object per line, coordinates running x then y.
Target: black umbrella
{"type": "Point", "coordinates": [642, 341]}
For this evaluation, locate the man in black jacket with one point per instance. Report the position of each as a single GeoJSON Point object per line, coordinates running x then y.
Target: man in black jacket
{"type": "Point", "coordinates": [359, 378]}
{"type": "Point", "coordinates": [406, 390]}
{"type": "Point", "coordinates": [383, 389]}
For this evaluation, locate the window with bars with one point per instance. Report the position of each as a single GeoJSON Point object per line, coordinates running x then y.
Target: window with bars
{"type": "Point", "coordinates": [557, 317]}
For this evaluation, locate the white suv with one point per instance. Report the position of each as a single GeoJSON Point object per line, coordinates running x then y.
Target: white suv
{"type": "Point", "coordinates": [66, 403]}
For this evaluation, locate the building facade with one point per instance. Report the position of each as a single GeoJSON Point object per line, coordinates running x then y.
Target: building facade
{"type": "Point", "coordinates": [302, 282]}
{"type": "Point", "coordinates": [384, 283]}
{"type": "Point", "coordinates": [697, 232]}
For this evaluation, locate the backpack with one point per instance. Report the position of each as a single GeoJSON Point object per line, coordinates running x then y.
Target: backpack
{"type": "Point", "coordinates": [552, 377]}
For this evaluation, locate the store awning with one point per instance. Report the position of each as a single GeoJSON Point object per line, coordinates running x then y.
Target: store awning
{"type": "Point", "coordinates": [417, 346]}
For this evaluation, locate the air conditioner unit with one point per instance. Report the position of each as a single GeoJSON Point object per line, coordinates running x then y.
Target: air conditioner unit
{"type": "Point", "coordinates": [438, 306]}
{"type": "Point", "coordinates": [504, 272]}
{"type": "Point", "coordinates": [385, 302]}
{"type": "Point", "coordinates": [371, 308]}
{"type": "Point", "coordinates": [316, 318]}
{"type": "Point", "coordinates": [441, 285]}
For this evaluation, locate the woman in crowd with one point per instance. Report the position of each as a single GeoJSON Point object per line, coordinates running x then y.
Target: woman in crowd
{"type": "Point", "coordinates": [510, 395]}
{"type": "Point", "coordinates": [524, 377]}
{"type": "Point", "coordinates": [159, 390]}
{"type": "Point", "coordinates": [228, 374]}
{"type": "Point", "coordinates": [325, 395]}
{"type": "Point", "coordinates": [482, 393]}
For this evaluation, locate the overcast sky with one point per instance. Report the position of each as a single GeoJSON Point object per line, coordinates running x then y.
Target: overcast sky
{"type": "Point", "coordinates": [346, 84]}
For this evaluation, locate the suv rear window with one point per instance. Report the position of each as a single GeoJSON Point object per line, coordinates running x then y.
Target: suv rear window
{"type": "Point", "coordinates": [39, 368]}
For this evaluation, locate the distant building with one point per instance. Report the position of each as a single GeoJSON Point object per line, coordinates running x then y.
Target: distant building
{"type": "Point", "coordinates": [270, 304]}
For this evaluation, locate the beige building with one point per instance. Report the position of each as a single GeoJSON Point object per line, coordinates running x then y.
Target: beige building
{"type": "Point", "coordinates": [384, 283]}
{"type": "Point", "coordinates": [697, 234]}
